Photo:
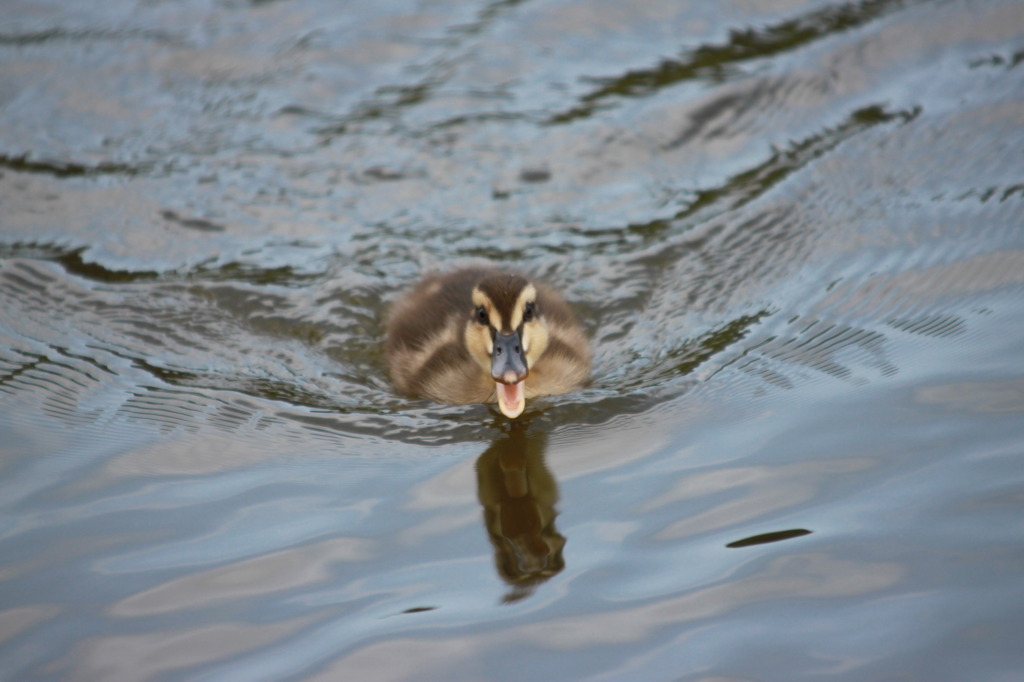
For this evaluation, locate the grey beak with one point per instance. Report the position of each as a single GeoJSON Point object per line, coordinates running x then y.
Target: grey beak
{"type": "Point", "coordinates": [508, 362]}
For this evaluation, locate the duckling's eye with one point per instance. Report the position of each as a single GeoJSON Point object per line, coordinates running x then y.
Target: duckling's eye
{"type": "Point", "coordinates": [529, 310]}
{"type": "Point", "coordinates": [481, 315]}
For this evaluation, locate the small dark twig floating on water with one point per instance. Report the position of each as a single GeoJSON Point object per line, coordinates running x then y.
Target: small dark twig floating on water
{"type": "Point", "coordinates": [483, 335]}
{"type": "Point", "coordinates": [765, 538]}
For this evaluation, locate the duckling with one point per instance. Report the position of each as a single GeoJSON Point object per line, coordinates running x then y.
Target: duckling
{"type": "Point", "coordinates": [483, 335]}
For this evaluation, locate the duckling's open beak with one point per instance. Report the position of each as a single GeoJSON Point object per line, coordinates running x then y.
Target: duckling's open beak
{"type": "Point", "coordinates": [509, 370]}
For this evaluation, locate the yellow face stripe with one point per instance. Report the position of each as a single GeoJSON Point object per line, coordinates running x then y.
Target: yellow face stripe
{"type": "Point", "coordinates": [527, 295]}
{"type": "Point", "coordinates": [482, 299]}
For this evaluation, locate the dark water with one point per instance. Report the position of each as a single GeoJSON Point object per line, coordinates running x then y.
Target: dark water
{"type": "Point", "coordinates": [795, 231]}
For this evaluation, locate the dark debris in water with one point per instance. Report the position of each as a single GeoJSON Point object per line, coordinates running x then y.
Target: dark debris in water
{"type": "Point", "coordinates": [535, 175]}
{"type": "Point", "coordinates": [420, 609]}
{"type": "Point", "coordinates": [199, 224]}
{"type": "Point", "coordinates": [766, 538]}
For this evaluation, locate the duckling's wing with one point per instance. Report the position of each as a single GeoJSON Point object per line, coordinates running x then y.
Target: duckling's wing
{"type": "Point", "coordinates": [425, 341]}
{"type": "Point", "coordinates": [565, 364]}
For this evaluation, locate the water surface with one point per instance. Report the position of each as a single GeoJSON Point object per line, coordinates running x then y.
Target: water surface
{"type": "Point", "coordinates": [793, 231]}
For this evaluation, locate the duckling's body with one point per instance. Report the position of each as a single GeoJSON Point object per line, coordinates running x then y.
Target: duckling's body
{"type": "Point", "coordinates": [482, 335]}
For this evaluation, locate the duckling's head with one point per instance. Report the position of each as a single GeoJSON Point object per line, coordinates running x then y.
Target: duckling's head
{"type": "Point", "coordinates": [506, 333]}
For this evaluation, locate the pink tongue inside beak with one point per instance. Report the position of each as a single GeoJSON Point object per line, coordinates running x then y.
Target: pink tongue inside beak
{"type": "Point", "coordinates": [511, 399]}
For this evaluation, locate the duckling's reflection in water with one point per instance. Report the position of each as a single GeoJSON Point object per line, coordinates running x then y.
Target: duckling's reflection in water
{"type": "Point", "coordinates": [518, 494]}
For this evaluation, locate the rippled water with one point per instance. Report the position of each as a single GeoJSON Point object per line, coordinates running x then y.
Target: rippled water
{"type": "Point", "coordinates": [794, 231]}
